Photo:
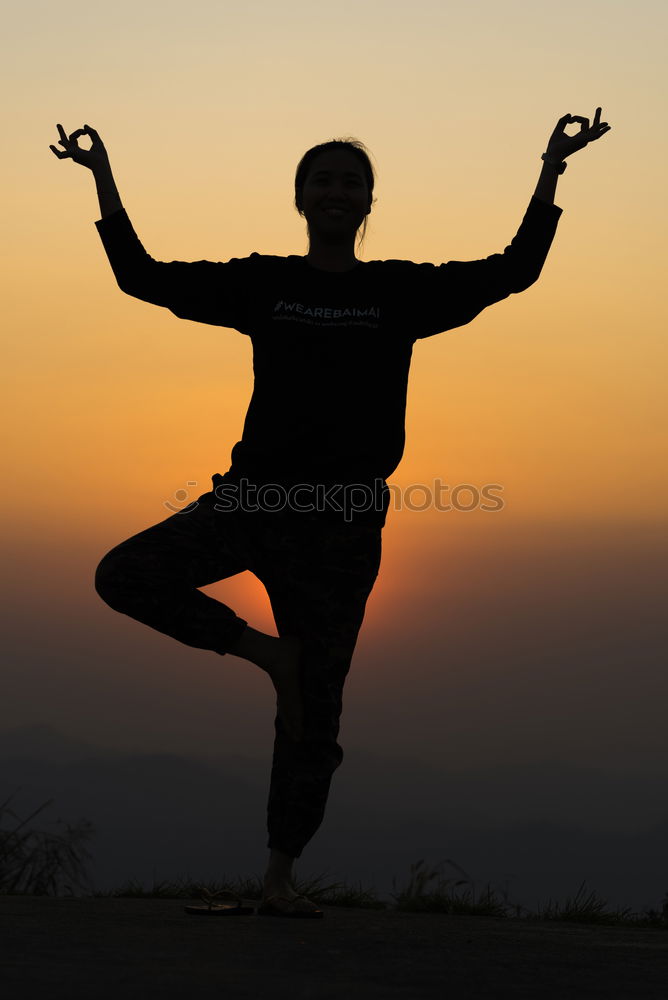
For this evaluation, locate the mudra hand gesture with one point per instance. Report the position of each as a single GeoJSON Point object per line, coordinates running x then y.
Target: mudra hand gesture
{"type": "Point", "coordinates": [561, 145]}
{"type": "Point", "coordinates": [93, 158]}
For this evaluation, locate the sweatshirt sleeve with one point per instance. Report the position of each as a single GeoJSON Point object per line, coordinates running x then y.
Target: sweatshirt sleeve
{"type": "Point", "coordinates": [445, 296]}
{"type": "Point", "coordinates": [204, 291]}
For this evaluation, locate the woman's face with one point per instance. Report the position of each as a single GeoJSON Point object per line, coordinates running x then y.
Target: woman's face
{"type": "Point", "coordinates": [335, 196]}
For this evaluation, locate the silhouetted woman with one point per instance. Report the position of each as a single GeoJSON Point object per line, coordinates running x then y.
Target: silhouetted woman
{"type": "Point", "coordinates": [304, 501]}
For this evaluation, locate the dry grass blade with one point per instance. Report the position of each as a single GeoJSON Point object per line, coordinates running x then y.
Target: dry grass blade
{"type": "Point", "coordinates": [38, 862]}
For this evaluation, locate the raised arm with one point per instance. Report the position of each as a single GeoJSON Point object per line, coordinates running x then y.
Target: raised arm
{"type": "Point", "coordinates": [135, 271]}
{"type": "Point", "coordinates": [97, 160]}
{"type": "Point", "coordinates": [203, 291]}
{"type": "Point", "coordinates": [453, 294]}
{"type": "Point", "coordinates": [560, 146]}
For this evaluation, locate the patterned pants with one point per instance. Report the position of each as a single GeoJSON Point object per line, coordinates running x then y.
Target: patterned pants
{"type": "Point", "coordinates": [318, 575]}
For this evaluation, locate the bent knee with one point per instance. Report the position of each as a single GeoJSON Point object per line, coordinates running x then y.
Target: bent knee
{"type": "Point", "coordinates": [111, 578]}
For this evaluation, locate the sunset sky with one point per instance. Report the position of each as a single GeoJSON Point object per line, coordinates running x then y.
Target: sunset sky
{"type": "Point", "coordinates": [488, 635]}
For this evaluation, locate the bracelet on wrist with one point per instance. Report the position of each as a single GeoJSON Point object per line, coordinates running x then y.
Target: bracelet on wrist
{"type": "Point", "coordinates": [559, 165]}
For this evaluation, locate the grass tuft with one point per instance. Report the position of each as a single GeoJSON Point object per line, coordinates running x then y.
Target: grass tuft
{"type": "Point", "coordinates": [446, 896]}
{"type": "Point", "coordinates": [584, 909]}
{"type": "Point", "coordinates": [39, 863]}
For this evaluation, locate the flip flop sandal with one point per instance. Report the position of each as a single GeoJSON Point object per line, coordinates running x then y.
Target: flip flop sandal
{"type": "Point", "coordinates": [211, 909]}
{"type": "Point", "coordinates": [267, 908]}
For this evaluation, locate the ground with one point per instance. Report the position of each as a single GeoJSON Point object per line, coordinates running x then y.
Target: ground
{"type": "Point", "coordinates": [141, 949]}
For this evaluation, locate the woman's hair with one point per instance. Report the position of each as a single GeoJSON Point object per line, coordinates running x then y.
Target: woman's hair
{"type": "Point", "coordinates": [354, 146]}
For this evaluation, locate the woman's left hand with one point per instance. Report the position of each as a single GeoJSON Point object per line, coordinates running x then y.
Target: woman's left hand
{"type": "Point", "coordinates": [561, 145]}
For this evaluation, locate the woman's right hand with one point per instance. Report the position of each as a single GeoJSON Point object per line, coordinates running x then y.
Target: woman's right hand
{"type": "Point", "coordinates": [94, 158]}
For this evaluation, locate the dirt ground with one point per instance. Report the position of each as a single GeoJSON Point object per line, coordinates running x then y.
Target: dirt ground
{"type": "Point", "coordinates": [139, 949]}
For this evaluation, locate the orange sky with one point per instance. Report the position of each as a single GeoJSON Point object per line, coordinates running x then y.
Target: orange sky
{"type": "Point", "coordinates": [556, 394]}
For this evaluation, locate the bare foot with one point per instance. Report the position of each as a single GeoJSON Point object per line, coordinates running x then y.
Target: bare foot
{"type": "Point", "coordinates": [283, 897]}
{"type": "Point", "coordinates": [283, 668]}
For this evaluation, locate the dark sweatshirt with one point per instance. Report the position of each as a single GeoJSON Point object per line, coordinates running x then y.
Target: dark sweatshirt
{"type": "Point", "coordinates": [331, 350]}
